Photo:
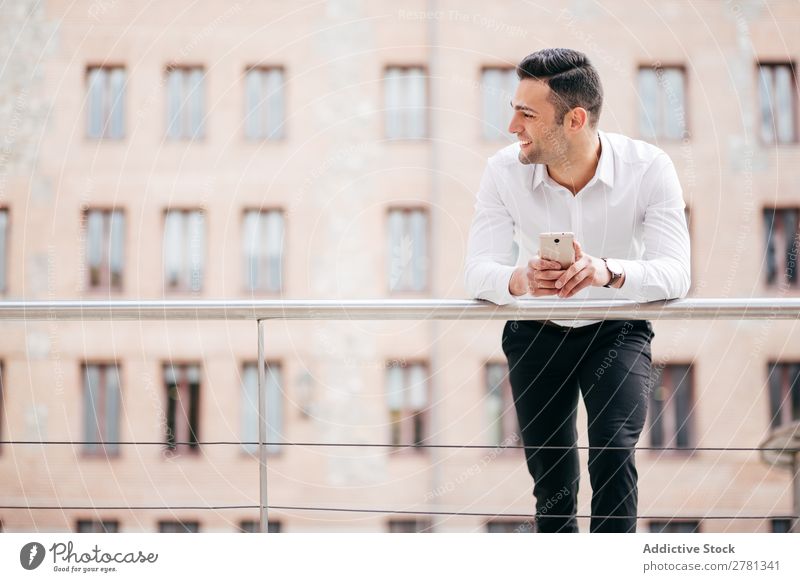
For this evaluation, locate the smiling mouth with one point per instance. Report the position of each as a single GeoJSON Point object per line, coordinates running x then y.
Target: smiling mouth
{"type": "Point", "coordinates": [525, 143]}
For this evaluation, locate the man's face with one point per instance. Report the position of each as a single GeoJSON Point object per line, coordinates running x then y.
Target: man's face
{"type": "Point", "coordinates": [542, 136]}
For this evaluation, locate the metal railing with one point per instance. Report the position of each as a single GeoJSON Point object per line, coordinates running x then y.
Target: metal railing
{"type": "Point", "coordinates": [782, 448]}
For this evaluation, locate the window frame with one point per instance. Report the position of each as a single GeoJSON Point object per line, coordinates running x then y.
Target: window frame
{"type": "Point", "coordinates": [788, 400]}
{"type": "Point", "coordinates": [429, 267]}
{"type": "Point", "coordinates": [508, 418]}
{"type": "Point", "coordinates": [252, 526]}
{"type": "Point", "coordinates": [667, 524]}
{"type": "Point", "coordinates": [5, 255]}
{"type": "Point", "coordinates": [773, 64]}
{"type": "Point", "coordinates": [2, 405]}
{"type": "Point", "coordinates": [506, 525]}
{"type": "Point", "coordinates": [285, 104]}
{"type": "Point", "coordinates": [263, 213]}
{"type": "Point", "coordinates": [419, 525]}
{"type": "Point", "coordinates": [104, 368]}
{"type": "Point", "coordinates": [97, 525]}
{"type": "Point", "coordinates": [670, 440]}
{"type": "Point", "coordinates": [426, 114]}
{"type": "Point", "coordinates": [107, 212]}
{"type": "Point", "coordinates": [658, 124]}
{"type": "Point", "coordinates": [198, 134]}
{"type": "Point", "coordinates": [482, 105]}
{"type": "Point", "coordinates": [401, 448]}
{"type": "Point", "coordinates": [109, 67]}
{"type": "Point", "coordinates": [187, 525]}
{"type": "Point", "coordinates": [781, 284]}
{"type": "Point", "coordinates": [195, 405]}
{"type": "Point", "coordinates": [185, 287]}
{"type": "Point", "coordinates": [279, 450]}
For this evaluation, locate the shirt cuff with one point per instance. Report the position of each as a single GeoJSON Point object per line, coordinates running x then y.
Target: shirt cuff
{"type": "Point", "coordinates": [633, 286]}
{"type": "Point", "coordinates": [504, 296]}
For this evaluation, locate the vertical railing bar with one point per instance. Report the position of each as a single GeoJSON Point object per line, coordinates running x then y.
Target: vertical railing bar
{"type": "Point", "coordinates": [795, 524]}
{"type": "Point", "coordinates": [263, 518]}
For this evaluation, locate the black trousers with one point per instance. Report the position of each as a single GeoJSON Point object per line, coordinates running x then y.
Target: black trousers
{"type": "Point", "coordinates": [610, 363]}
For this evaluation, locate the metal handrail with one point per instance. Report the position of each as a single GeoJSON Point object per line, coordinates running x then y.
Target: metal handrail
{"type": "Point", "coordinates": [527, 309]}
{"type": "Point", "coordinates": [390, 309]}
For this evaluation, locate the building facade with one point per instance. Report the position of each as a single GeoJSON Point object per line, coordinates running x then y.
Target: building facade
{"type": "Point", "coordinates": [332, 151]}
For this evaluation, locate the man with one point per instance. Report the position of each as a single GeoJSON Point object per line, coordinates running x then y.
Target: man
{"type": "Point", "coordinates": [623, 201]}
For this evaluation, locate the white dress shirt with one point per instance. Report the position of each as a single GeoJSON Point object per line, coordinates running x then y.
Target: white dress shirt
{"type": "Point", "coordinates": [631, 210]}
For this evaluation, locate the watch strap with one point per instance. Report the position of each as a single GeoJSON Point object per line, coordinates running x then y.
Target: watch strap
{"type": "Point", "coordinates": [614, 276]}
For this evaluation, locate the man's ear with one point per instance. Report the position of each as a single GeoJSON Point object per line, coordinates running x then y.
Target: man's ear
{"type": "Point", "coordinates": [577, 119]}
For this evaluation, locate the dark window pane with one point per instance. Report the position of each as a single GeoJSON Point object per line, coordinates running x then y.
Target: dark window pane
{"type": "Point", "coordinates": [508, 526]}
{"type": "Point", "coordinates": [781, 525]}
{"type": "Point", "coordinates": [409, 525]}
{"type": "Point", "coordinates": [251, 526]}
{"type": "Point", "coordinates": [670, 407]}
{"type": "Point", "coordinates": [178, 527]}
{"type": "Point", "coordinates": [771, 265]}
{"type": "Point", "coordinates": [775, 396]}
{"type": "Point", "coordinates": [674, 526]}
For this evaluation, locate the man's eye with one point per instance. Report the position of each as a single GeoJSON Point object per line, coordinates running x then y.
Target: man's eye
{"type": "Point", "coordinates": [528, 115]}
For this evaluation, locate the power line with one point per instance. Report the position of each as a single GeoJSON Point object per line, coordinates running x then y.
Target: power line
{"type": "Point", "coordinates": [403, 446]}
{"type": "Point", "coordinates": [383, 511]}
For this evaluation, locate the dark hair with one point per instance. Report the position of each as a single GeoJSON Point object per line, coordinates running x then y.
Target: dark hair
{"type": "Point", "coordinates": [573, 80]}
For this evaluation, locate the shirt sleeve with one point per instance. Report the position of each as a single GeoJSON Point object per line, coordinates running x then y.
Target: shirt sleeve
{"type": "Point", "coordinates": [665, 270]}
{"type": "Point", "coordinates": [490, 250]}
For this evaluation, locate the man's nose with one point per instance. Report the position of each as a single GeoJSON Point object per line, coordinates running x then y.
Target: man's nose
{"type": "Point", "coordinates": [514, 126]}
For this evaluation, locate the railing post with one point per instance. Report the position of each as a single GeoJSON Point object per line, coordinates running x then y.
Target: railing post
{"type": "Point", "coordinates": [263, 519]}
{"type": "Point", "coordinates": [796, 492]}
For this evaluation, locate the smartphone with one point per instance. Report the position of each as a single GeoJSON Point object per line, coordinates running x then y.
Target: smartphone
{"type": "Point", "coordinates": [557, 246]}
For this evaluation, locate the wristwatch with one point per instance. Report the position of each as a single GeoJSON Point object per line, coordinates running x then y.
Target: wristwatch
{"type": "Point", "coordinates": [615, 269]}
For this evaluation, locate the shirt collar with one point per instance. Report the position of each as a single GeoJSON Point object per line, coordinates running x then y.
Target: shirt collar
{"type": "Point", "coordinates": [604, 172]}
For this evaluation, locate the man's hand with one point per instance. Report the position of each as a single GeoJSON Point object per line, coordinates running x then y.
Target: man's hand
{"type": "Point", "coordinates": [542, 277]}
{"type": "Point", "coordinates": [585, 271]}
{"type": "Point", "coordinates": [530, 279]}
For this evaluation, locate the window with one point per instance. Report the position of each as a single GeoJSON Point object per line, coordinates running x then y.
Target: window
{"type": "Point", "coordinates": [407, 392]}
{"type": "Point", "coordinates": [105, 236]}
{"type": "Point", "coordinates": [784, 393]}
{"type": "Point", "coordinates": [674, 526]}
{"type": "Point", "coordinates": [671, 403]}
{"type": "Point", "coordinates": [409, 526]}
{"type": "Point", "coordinates": [183, 405]}
{"type": "Point", "coordinates": [264, 103]}
{"type": "Point", "coordinates": [408, 249]}
{"type": "Point", "coordinates": [3, 248]}
{"type": "Point", "coordinates": [263, 250]}
{"type": "Point", "coordinates": [251, 526]}
{"type": "Point", "coordinates": [178, 526]}
{"type": "Point", "coordinates": [184, 250]}
{"type": "Point", "coordinates": [106, 100]}
{"type": "Point", "coordinates": [510, 526]}
{"type": "Point", "coordinates": [101, 404]}
{"type": "Point", "coordinates": [777, 92]}
{"type": "Point", "coordinates": [662, 102]}
{"type": "Point", "coordinates": [500, 405]}
{"type": "Point", "coordinates": [782, 241]}
{"type": "Point", "coordinates": [97, 526]}
{"type": "Point", "coordinates": [781, 525]}
{"type": "Point", "coordinates": [250, 406]}
{"type": "Point", "coordinates": [185, 102]}
{"type": "Point", "coordinates": [498, 85]}
{"type": "Point", "coordinates": [405, 101]}
{"type": "Point", "coordinates": [2, 401]}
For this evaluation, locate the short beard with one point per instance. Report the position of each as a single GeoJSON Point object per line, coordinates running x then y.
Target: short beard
{"type": "Point", "coordinates": [558, 149]}
{"type": "Point", "coordinates": [523, 159]}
